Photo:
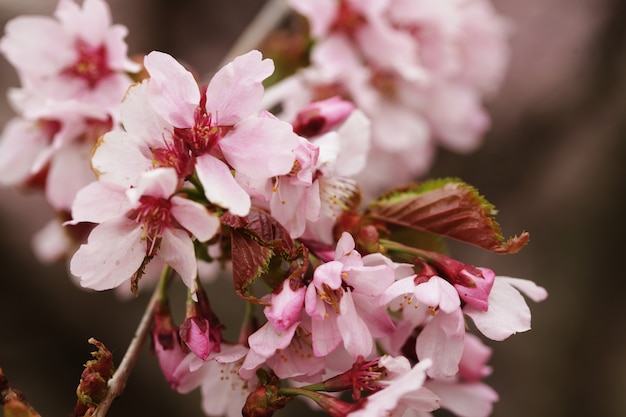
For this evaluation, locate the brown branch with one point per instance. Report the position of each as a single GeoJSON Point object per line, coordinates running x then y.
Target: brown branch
{"type": "Point", "coordinates": [117, 383]}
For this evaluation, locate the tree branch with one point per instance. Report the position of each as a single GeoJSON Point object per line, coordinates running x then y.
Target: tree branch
{"type": "Point", "coordinates": [265, 20]}
{"type": "Point", "coordinates": [117, 383]}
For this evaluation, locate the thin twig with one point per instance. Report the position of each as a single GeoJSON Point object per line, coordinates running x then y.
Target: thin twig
{"type": "Point", "coordinates": [265, 21]}
{"type": "Point", "coordinates": [118, 381]}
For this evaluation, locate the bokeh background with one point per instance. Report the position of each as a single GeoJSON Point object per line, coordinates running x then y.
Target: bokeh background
{"type": "Point", "coordinates": [553, 164]}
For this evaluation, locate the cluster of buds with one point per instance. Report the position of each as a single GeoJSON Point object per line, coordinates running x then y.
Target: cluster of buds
{"type": "Point", "coordinates": [186, 173]}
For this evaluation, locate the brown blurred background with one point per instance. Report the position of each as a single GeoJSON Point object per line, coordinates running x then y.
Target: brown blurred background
{"type": "Point", "coordinates": [552, 164]}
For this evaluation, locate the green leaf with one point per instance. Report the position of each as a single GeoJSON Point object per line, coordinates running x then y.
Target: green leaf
{"type": "Point", "coordinates": [446, 207]}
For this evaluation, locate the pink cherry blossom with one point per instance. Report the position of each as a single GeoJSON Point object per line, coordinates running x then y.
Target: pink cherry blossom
{"type": "Point", "coordinates": [419, 69]}
{"type": "Point", "coordinates": [223, 390]}
{"type": "Point", "coordinates": [434, 305]}
{"type": "Point", "coordinates": [404, 390]}
{"type": "Point", "coordinates": [170, 121]}
{"type": "Point", "coordinates": [135, 225]}
{"type": "Point", "coordinates": [77, 55]}
{"type": "Point", "coordinates": [341, 315]}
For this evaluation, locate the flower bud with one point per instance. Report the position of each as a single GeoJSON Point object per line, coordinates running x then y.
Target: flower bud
{"type": "Point", "coordinates": [201, 330]}
{"type": "Point", "coordinates": [321, 116]}
{"type": "Point", "coordinates": [165, 342]}
{"type": "Point", "coordinates": [474, 285]}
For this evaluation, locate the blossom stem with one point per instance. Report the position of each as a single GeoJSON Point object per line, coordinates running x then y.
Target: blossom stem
{"type": "Point", "coordinates": [117, 383]}
{"type": "Point", "coordinates": [331, 405]}
{"type": "Point", "coordinates": [407, 253]}
{"type": "Point", "coordinates": [248, 325]}
{"type": "Point", "coordinates": [265, 20]}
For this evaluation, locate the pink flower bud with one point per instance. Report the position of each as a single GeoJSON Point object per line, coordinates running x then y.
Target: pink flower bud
{"type": "Point", "coordinates": [321, 116]}
{"type": "Point", "coordinates": [195, 332]}
{"type": "Point", "coordinates": [474, 285]}
{"type": "Point", "coordinates": [201, 330]}
{"type": "Point", "coordinates": [165, 342]}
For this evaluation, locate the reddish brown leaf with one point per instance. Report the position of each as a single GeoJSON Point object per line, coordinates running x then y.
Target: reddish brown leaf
{"type": "Point", "coordinates": [262, 248]}
{"type": "Point", "coordinates": [447, 207]}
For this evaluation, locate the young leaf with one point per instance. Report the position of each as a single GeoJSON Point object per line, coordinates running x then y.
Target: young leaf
{"type": "Point", "coordinates": [252, 261]}
{"type": "Point", "coordinates": [263, 249]}
{"type": "Point", "coordinates": [446, 207]}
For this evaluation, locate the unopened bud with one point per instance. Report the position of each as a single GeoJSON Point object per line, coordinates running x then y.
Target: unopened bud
{"type": "Point", "coordinates": [321, 116]}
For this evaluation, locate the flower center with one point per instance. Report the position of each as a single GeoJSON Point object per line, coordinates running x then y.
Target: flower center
{"type": "Point", "coordinates": [175, 155]}
{"type": "Point", "coordinates": [331, 297]}
{"type": "Point", "coordinates": [206, 131]}
{"type": "Point", "coordinates": [155, 216]}
{"type": "Point", "coordinates": [91, 64]}
{"type": "Point", "coordinates": [348, 20]}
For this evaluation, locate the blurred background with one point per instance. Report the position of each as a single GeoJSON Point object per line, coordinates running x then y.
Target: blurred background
{"type": "Point", "coordinates": [553, 164]}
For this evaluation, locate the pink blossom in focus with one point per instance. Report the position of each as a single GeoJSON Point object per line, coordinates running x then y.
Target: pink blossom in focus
{"type": "Point", "coordinates": [350, 317]}
{"type": "Point", "coordinates": [135, 224]}
{"type": "Point", "coordinates": [434, 305]}
{"type": "Point", "coordinates": [402, 391]}
{"type": "Point", "coordinates": [223, 390]}
{"type": "Point", "coordinates": [170, 121]}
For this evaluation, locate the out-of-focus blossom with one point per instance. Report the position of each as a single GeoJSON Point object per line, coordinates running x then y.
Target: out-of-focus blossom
{"type": "Point", "coordinates": [419, 69]}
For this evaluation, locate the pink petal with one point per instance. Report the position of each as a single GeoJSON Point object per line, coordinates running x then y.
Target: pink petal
{"type": "Point", "coordinates": [172, 90]}
{"type": "Point", "coordinates": [378, 321]}
{"type": "Point", "coordinates": [195, 218]}
{"type": "Point", "coordinates": [267, 339]}
{"type": "Point", "coordinates": [286, 307]}
{"type": "Point", "coordinates": [37, 45]}
{"type": "Point", "coordinates": [21, 144]}
{"type": "Point", "coordinates": [260, 147]}
{"type": "Point", "coordinates": [473, 399]}
{"type": "Point", "coordinates": [529, 288]}
{"type": "Point", "coordinates": [120, 158]}
{"type": "Point", "coordinates": [438, 292]}
{"type": "Point", "coordinates": [325, 334]}
{"type": "Point", "coordinates": [113, 253]}
{"type": "Point", "coordinates": [99, 202]}
{"type": "Point", "coordinates": [90, 23]}
{"type": "Point", "coordinates": [236, 90]}
{"type": "Point", "coordinates": [401, 287]}
{"type": "Point", "coordinates": [141, 120]}
{"type": "Point", "coordinates": [52, 243]}
{"type": "Point", "coordinates": [442, 341]}
{"type": "Point", "coordinates": [345, 246]}
{"type": "Point", "coordinates": [508, 312]}
{"type": "Point", "coordinates": [160, 183]}
{"type": "Point", "coordinates": [68, 173]}
{"type": "Point", "coordinates": [220, 186]}
{"type": "Point", "coordinates": [356, 336]}
{"type": "Point", "coordinates": [320, 14]}
{"type": "Point", "coordinates": [177, 251]}
{"type": "Point", "coordinates": [371, 280]}
{"type": "Point", "coordinates": [329, 274]}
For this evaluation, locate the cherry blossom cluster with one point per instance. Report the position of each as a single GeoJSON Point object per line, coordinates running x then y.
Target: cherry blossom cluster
{"type": "Point", "coordinates": [419, 69]}
{"type": "Point", "coordinates": [74, 71]}
{"type": "Point", "coordinates": [168, 172]}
